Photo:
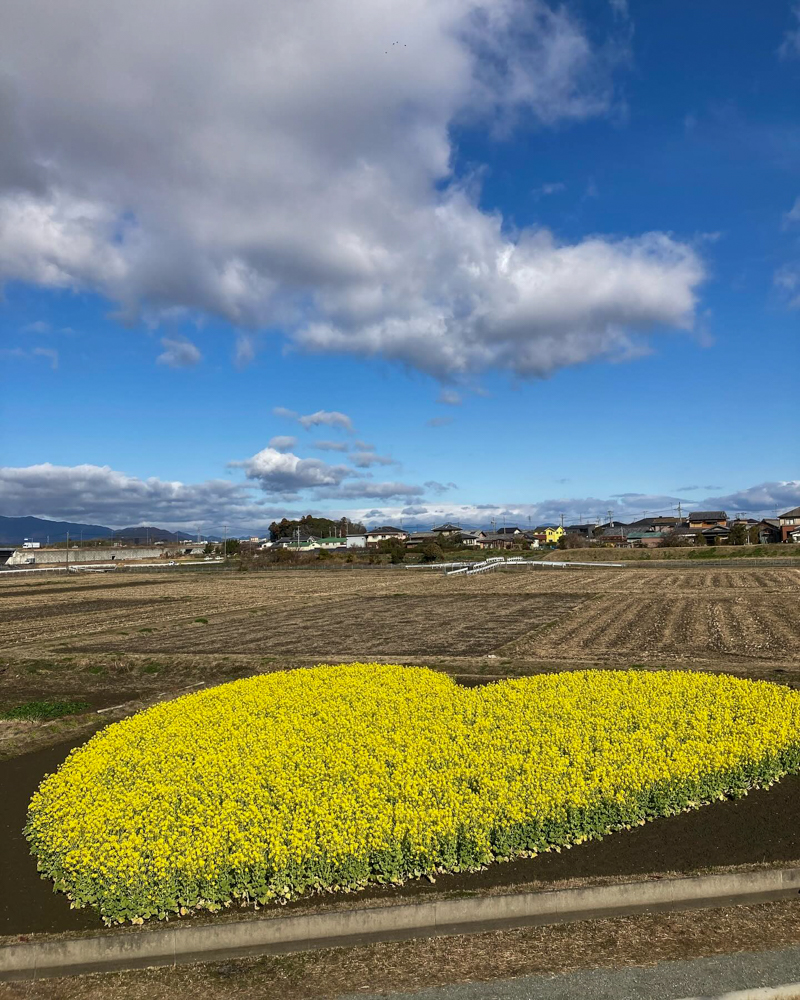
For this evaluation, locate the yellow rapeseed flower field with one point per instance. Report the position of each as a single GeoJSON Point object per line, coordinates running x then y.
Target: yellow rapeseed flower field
{"type": "Point", "coordinates": [335, 776]}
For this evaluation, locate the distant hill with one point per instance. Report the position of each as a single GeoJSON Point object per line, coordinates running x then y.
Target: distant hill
{"type": "Point", "coordinates": [14, 530]}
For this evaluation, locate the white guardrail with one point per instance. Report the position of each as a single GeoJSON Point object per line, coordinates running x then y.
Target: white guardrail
{"type": "Point", "coordinates": [482, 566]}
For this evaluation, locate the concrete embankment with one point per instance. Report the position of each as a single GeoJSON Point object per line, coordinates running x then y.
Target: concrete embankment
{"type": "Point", "coordinates": [183, 943]}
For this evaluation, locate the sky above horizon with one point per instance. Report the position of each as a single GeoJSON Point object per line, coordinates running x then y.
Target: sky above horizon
{"type": "Point", "coordinates": [451, 259]}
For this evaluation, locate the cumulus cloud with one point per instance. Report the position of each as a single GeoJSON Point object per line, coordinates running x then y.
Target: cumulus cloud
{"type": "Point", "coordinates": [436, 487]}
{"type": "Point", "coordinates": [296, 173]}
{"type": "Point", "coordinates": [790, 46]}
{"type": "Point", "coordinates": [178, 353]}
{"type": "Point", "coordinates": [372, 490]}
{"type": "Point", "coordinates": [366, 459]}
{"type": "Point", "coordinates": [326, 418]}
{"type": "Point", "coordinates": [281, 411]}
{"type": "Point", "coordinates": [332, 445]}
{"type": "Point", "coordinates": [764, 498]}
{"type": "Point", "coordinates": [282, 472]}
{"type": "Point", "coordinates": [100, 494]}
{"type": "Point", "coordinates": [283, 442]}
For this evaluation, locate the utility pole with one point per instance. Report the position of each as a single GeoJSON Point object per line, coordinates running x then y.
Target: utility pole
{"type": "Point", "coordinates": [68, 552]}
{"type": "Point", "coordinates": [610, 518]}
{"type": "Point", "coordinates": [224, 542]}
{"type": "Point", "coordinates": [680, 514]}
{"type": "Point", "coordinates": [562, 520]}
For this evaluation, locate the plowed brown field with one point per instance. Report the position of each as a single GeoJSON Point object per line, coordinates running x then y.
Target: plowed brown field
{"type": "Point", "coordinates": [599, 615]}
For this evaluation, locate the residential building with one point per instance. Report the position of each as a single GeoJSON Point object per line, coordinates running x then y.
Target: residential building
{"type": "Point", "coordinates": [703, 519]}
{"type": "Point", "coordinates": [473, 539]}
{"type": "Point", "coordinates": [585, 530]}
{"type": "Point", "coordinates": [417, 538]}
{"type": "Point", "coordinates": [355, 541]}
{"type": "Point", "coordinates": [385, 533]}
{"type": "Point", "coordinates": [447, 529]}
{"type": "Point", "coordinates": [548, 534]}
{"type": "Point", "coordinates": [509, 531]}
{"type": "Point", "coordinates": [644, 539]}
{"type": "Point", "coordinates": [788, 522]}
{"type": "Point", "coordinates": [654, 524]}
{"type": "Point", "coordinates": [766, 532]}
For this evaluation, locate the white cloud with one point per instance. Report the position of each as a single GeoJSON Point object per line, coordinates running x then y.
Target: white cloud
{"type": "Point", "coordinates": [366, 459]}
{"type": "Point", "coordinates": [545, 190]}
{"type": "Point", "coordinates": [283, 442]}
{"type": "Point", "coordinates": [296, 172]}
{"type": "Point", "coordinates": [438, 421]}
{"type": "Point", "coordinates": [332, 445]}
{"type": "Point", "coordinates": [450, 397]}
{"type": "Point", "coordinates": [377, 491]}
{"type": "Point", "coordinates": [178, 353]}
{"type": "Point", "coordinates": [787, 280]}
{"type": "Point", "coordinates": [793, 215]}
{"type": "Point", "coordinates": [763, 498]}
{"type": "Point", "coordinates": [790, 46]}
{"type": "Point", "coordinates": [20, 354]}
{"type": "Point", "coordinates": [245, 350]}
{"type": "Point", "coordinates": [39, 326]}
{"type": "Point", "coordinates": [326, 418]}
{"type": "Point", "coordinates": [102, 495]}
{"type": "Point", "coordinates": [281, 472]}
{"type": "Point", "coordinates": [48, 352]}
{"type": "Point", "coordinates": [281, 411]}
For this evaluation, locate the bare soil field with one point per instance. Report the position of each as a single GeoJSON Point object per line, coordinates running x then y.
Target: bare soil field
{"type": "Point", "coordinates": [123, 641]}
{"type": "Point", "coordinates": [735, 615]}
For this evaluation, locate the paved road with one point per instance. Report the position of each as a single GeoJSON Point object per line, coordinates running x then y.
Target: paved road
{"type": "Point", "coordinates": [705, 977]}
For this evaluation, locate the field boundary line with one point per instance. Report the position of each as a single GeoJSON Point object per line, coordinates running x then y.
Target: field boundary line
{"type": "Point", "coordinates": [125, 949]}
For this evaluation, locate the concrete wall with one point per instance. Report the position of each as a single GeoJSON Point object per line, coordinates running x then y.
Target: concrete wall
{"type": "Point", "coordinates": [276, 934]}
{"type": "Point", "coordinates": [51, 557]}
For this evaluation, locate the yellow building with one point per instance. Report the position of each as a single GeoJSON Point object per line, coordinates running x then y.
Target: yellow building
{"type": "Point", "coordinates": [549, 534]}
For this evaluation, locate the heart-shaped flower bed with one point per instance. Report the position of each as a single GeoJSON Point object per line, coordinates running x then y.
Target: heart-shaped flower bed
{"type": "Point", "coordinates": [331, 777]}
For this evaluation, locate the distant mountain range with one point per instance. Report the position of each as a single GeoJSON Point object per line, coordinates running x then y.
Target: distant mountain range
{"type": "Point", "coordinates": [14, 530]}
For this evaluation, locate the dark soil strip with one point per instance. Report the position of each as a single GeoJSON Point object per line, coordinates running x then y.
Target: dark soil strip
{"type": "Point", "coordinates": [36, 589]}
{"type": "Point", "coordinates": [763, 827]}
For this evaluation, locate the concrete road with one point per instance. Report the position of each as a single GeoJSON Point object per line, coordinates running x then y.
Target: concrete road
{"type": "Point", "coordinates": [698, 978]}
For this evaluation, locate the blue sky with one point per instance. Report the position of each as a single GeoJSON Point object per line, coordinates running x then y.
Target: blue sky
{"type": "Point", "coordinates": [544, 259]}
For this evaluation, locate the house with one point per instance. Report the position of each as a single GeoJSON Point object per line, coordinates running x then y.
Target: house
{"type": "Point", "coordinates": [654, 524]}
{"type": "Point", "coordinates": [355, 541]}
{"type": "Point", "coordinates": [495, 540]}
{"type": "Point", "coordinates": [417, 538]}
{"type": "Point", "coordinates": [788, 522]}
{"type": "Point", "coordinates": [703, 519]}
{"type": "Point", "coordinates": [766, 532]}
{"type": "Point", "coordinates": [794, 535]}
{"type": "Point", "coordinates": [612, 534]}
{"type": "Point", "coordinates": [716, 533]}
{"type": "Point", "coordinates": [585, 530]}
{"type": "Point", "coordinates": [548, 534]}
{"type": "Point", "coordinates": [331, 543]}
{"type": "Point", "coordinates": [508, 531]}
{"type": "Point", "coordinates": [645, 539]}
{"type": "Point", "coordinates": [447, 529]}
{"type": "Point", "coordinates": [384, 534]}
{"type": "Point", "coordinates": [473, 539]}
